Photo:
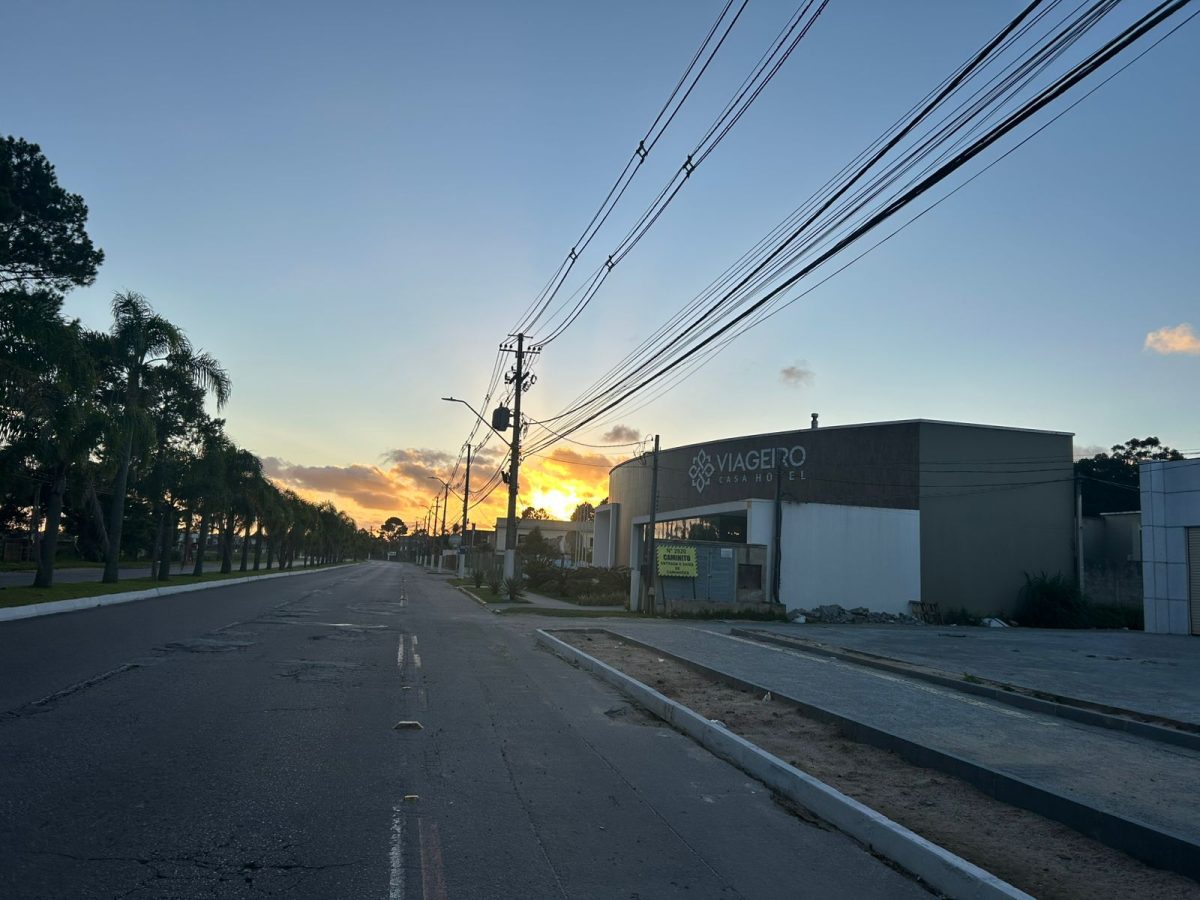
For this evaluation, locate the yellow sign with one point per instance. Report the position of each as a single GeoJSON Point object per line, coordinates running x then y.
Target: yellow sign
{"type": "Point", "coordinates": [676, 561]}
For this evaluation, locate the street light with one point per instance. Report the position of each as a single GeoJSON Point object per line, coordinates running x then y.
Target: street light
{"type": "Point", "coordinates": [476, 412]}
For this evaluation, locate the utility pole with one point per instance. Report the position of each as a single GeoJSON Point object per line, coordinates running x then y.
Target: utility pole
{"type": "Point", "coordinates": [445, 503]}
{"type": "Point", "coordinates": [437, 544]}
{"type": "Point", "coordinates": [519, 387]}
{"type": "Point", "coordinates": [1079, 533]}
{"type": "Point", "coordinates": [650, 593]}
{"type": "Point", "coordinates": [466, 494]}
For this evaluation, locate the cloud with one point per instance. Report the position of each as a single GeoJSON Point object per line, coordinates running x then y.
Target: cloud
{"type": "Point", "coordinates": [367, 486]}
{"type": "Point", "coordinates": [797, 375]}
{"type": "Point", "coordinates": [1170, 340]}
{"type": "Point", "coordinates": [400, 485]}
{"type": "Point", "coordinates": [1087, 451]}
{"type": "Point", "coordinates": [621, 434]}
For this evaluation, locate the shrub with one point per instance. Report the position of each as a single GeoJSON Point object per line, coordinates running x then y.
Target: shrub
{"type": "Point", "coordinates": [1051, 601]}
{"type": "Point", "coordinates": [494, 582]}
{"type": "Point", "coordinates": [539, 559]}
{"type": "Point", "coordinates": [477, 577]}
{"type": "Point", "coordinates": [1113, 616]}
{"type": "Point", "coordinates": [514, 590]}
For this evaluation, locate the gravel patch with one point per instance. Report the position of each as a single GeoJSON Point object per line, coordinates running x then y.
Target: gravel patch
{"type": "Point", "coordinates": [1039, 856]}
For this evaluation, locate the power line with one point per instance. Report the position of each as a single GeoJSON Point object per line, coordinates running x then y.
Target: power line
{"type": "Point", "coordinates": [669, 110]}
{"type": "Point", "coordinates": [931, 176]}
{"type": "Point", "coordinates": [761, 75]}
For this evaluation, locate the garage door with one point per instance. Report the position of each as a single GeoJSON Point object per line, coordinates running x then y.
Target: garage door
{"type": "Point", "coordinates": [1193, 535]}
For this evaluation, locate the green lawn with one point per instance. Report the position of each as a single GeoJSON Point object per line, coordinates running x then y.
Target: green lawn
{"type": "Point", "coordinates": [22, 596]}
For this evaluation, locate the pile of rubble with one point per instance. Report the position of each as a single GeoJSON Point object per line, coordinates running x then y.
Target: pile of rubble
{"type": "Point", "coordinates": [832, 614]}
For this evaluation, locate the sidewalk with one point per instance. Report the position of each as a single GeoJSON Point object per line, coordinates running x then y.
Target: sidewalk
{"type": "Point", "coordinates": [1156, 674]}
{"type": "Point", "coordinates": [1131, 778]}
{"type": "Point", "coordinates": [533, 601]}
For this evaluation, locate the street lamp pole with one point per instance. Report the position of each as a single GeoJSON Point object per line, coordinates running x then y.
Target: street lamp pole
{"type": "Point", "coordinates": [443, 501]}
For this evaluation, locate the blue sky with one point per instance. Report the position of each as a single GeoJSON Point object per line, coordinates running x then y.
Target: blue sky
{"type": "Point", "coordinates": [350, 204]}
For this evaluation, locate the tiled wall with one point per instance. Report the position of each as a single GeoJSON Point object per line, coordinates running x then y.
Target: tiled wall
{"type": "Point", "coordinates": [1170, 504]}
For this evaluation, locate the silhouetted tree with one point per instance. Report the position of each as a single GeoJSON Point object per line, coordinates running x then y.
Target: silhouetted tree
{"type": "Point", "coordinates": [1110, 480]}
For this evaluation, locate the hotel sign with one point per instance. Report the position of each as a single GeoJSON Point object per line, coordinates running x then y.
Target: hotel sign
{"type": "Point", "coordinates": [746, 467]}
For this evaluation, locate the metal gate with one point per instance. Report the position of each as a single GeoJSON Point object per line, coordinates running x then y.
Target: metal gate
{"type": "Point", "coordinates": [1193, 564]}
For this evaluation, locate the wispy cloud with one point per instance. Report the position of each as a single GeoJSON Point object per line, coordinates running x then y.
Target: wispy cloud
{"type": "Point", "coordinates": [621, 434]}
{"type": "Point", "coordinates": [796, 375]}
{"type": "Point", "coordinates": [367, 486]}
{"type": "Point", "coordinates": [1174, 339]}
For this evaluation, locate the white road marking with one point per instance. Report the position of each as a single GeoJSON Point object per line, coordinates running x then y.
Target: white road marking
{"type": "Point", "coordinates": [414, 643]}
{"type": "Point", "coordinates": [416, 659]}
{"type": "Point", "coordinates": [396, 855]}
{"type": "Point", "coordinates": [400, 654]}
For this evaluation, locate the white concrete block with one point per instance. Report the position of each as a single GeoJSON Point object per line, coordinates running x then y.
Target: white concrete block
{"type": "Point", "coordinates": [1177, 582]}
{"type": "Point", "coordinates": [1149, 587]}
{"type": "Point", "coordinates": [1183, 475]}
{"type": "Point", "coordinates": [1158, 511]}
{"type": "Point", "coordinates": [1181, 508]}
{"type": "Point", "coordinates": [1156, 477]}
{"type": "Point", "coordinates": [1163, 614]}
{"type": "Point", "coordinates": [1147, 538]}
{"type": "Point", "coordinates": [1155, 550]}
{"type": "Point", "coordinates": [1178, 616]}
{"type": "Point", "coordinates": [1174, 545]}
{"type": "Point", "coordinates": [1160, 580]}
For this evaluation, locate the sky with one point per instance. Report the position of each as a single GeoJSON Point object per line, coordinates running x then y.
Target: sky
{"type": "Point", "coordinates": [350, 205]}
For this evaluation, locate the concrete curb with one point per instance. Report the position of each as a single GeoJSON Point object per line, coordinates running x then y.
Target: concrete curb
{"type": "Point", "coordinates": [1128, 721]}
{"type": "Point", "coordinates": [945, 872]}
{"type": "Point", "coordinates": [1159, 848]}
{"type": "Point", "coordinates": [494, 612]}
{"type": "Point", "coordinates": [35, 610]}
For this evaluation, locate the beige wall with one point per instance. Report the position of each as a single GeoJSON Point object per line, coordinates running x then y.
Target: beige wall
{"type": "Point", "coordinates": [995, 503]}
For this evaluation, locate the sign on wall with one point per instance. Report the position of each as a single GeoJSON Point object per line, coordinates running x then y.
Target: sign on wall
{"type": "Point", "coordinates": [676, 561]}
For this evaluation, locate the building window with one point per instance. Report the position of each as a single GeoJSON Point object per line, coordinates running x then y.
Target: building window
{"type": "Point", "coordinates": [726, 528]}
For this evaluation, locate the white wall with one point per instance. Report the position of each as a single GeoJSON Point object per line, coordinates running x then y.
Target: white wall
{"type": "Point", "coordinates": [1170, 504]}
{"type": "Point", "coordinates": [604, 550]}
{"type": "Point", "coordinates": [850, 555]}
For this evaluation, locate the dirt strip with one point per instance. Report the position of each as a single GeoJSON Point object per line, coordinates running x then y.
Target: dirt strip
{"type": "Point", "coordinates": [1041, 857]}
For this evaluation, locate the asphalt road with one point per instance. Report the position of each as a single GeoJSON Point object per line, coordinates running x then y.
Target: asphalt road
{"type": "Point", "coordinates": [240, 742]}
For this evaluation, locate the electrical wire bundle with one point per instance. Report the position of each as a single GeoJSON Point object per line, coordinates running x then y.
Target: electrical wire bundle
{"type": "Point", "coordinates": [1034, 60]}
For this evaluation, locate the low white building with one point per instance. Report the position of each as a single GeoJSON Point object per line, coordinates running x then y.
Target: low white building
{"type": "Point", "coordinates": [881, 515]}
{"type": "Point", "coordinates": [573, 539]}
{"type": "Point", "coordinates": [1171, 546]}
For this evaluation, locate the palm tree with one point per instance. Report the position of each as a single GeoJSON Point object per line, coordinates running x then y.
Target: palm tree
{"type": "Point", "coordinates": [210, 486]}
{"type": "Point", "coordinates": [242, 469]}
{"type": "Point", "coordinates": [138, 341]}
{"type": "Point", "coordinates": [52, 419]}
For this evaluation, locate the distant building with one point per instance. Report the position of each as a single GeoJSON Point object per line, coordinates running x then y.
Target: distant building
{"type": "Point", "coordinates": [1171, 545]}
{"type": "Point", "coordinates": [573, 539]}
{"type": "Point", "coordinates": [878, 515]}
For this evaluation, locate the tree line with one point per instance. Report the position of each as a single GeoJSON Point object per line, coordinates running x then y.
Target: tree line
{"type": "Point", "coordinates": [104, 435]}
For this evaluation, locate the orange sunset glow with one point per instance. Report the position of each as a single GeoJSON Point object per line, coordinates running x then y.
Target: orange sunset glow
{"type": "Point", "coordinates": [557, 482]}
